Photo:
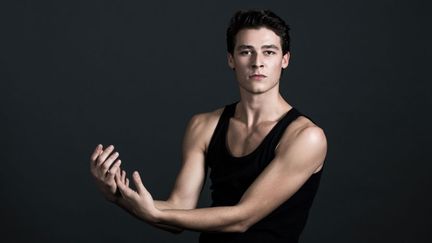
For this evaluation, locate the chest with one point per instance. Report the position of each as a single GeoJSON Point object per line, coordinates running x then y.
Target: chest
{"type": "Point", "coordinates": [241, 141]}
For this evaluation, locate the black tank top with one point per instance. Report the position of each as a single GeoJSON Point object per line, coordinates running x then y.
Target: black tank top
{"type": "Point", "coordinates": [231, 176]}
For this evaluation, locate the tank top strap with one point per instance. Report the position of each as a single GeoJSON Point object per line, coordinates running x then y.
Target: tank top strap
{"type": "Point", "coordinates": [230, 110]}
{"type": "Point", "coordinates": [222, 124]}
{"type": "Point", "coordinates": [281, 126]}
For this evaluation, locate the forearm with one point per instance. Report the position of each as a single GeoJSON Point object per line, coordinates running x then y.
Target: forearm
{"type": "Point", "coordinates": [159, 205]}
{"type": "Point", "coordinates": [215, 219]}
{"type": "Point", "coordinates": [164, 205]}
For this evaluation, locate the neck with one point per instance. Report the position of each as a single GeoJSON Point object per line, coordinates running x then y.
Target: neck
{"type": "Point", "coordinates": [256, 108]}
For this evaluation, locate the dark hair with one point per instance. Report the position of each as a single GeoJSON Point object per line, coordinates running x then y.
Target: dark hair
{"type": "Point", "coordinates": [254, 19]}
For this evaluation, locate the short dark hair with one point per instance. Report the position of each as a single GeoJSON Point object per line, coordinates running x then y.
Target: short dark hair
{"type": "Point", "coordinates": [253, 19]}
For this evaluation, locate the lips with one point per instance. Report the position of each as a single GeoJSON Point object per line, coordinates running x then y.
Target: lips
{"type": "Point", "coordinates": [257, 76]}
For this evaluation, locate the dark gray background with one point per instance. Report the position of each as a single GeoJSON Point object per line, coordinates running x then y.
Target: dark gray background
{"type": "Point", "coordinates": [132, 73]}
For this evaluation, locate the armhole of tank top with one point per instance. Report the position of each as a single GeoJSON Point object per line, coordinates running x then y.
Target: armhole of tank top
{"type": "Point", "coordinates": [211, 143]}
{"type": "Point", "coordinates": [216, 130]}
{"type": "Point", "coordinates": [322, 168]}
{"type": "Point", "coordinates": [218, 127]}
{"type": "Point", "coordinates": [302, 114]}
{"type": "Point", "coordinates": [297, 113]}
{"type": "Point", "coordinates": [288, 119]}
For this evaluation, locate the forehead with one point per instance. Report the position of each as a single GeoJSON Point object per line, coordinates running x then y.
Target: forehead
{"type": "Point", "coordinates": [257, 37]}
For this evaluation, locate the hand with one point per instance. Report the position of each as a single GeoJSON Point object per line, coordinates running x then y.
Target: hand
{"type": "Point", "coordinates": [103, 168]}
{"type": "Point", "coordinates": [140, 203]}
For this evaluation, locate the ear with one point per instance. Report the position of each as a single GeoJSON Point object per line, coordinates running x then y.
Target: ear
{"type": "Point", "coordinates": [230, 59]}
{"type": "Point", "coordinates": [285, 60]}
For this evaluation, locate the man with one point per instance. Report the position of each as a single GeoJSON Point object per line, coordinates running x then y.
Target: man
{"type": "Point", "coordinates": [265, 157]}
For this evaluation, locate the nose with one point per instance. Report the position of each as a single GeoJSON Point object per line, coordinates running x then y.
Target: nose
{"type": "Point", "coordinates": [257, 61]}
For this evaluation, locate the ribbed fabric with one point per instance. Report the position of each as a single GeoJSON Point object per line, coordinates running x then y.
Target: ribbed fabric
{"type": "Point", "coordinates": [231, 176]}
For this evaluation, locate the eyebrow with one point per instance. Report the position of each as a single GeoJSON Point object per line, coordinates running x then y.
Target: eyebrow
{"type": "Point", "coordinates": [242, 47]}
{"type": "Point", "coordinates": [270, 47]}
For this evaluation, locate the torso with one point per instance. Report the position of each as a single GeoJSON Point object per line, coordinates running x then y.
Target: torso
{"type": "Point", "coordinates": [241, 142]}
{"type": "Point", "coordinates": [235, 158]}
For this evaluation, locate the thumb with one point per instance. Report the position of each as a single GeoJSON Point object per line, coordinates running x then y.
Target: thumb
{"type": "Point", "coordinates": [119, 183]}
{"type": "Point", "coordinates": [138, 183]}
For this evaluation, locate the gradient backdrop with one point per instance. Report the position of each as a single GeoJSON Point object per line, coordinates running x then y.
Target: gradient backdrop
{"type": "Point", "coordinates": [132, 73]}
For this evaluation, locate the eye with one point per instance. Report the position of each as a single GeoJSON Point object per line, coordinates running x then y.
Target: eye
{"type": "Point", "coordinates": [245, 52]}
{"type": "Point", "coordinates": [268, 53]}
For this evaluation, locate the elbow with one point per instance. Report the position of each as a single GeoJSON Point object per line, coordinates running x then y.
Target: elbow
{"type": "Point", "coordinates": [240, 227]}
{"type": "Point", "coordinates": [243, 222]}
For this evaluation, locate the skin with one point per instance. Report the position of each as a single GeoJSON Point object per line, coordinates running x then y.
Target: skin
{"type": "Point", "coordinates": [300, 152]}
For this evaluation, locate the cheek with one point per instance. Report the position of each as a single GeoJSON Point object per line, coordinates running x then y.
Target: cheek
{"type": "Point", "coordinates": [276, 69]}
{"type": "Point", "coordinates": [275, 65]}
{"type": "Point", "coordinates": [242, 62]}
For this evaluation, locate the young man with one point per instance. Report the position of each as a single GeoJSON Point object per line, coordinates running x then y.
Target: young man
{"type": "Point", "coordinates": [265, 157]}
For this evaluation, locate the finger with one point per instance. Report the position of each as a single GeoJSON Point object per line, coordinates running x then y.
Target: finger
{"type": "Point", "coordinates": [107, 164]}
{"type": "Point", "coordinates": [138, 183]}
{"type": "Point", "coordinates": [123, 176]}
{"type": "Point", "coordinates": [118, 172]}
{"type": "Point", "coordinates": [119, 184]}
{"type": "Point", "coordinates": [116, 176]}
{"type": "Point", "coordinates": [96, 153]}
{"type": "Point", "coordinates": [102, 157]}
{"type": "Point", "coordinates": [113, 171]}
{"type": "Point", "coordinates": [125, 191]}
{"type": "Point", "coordinates": [125, 180]}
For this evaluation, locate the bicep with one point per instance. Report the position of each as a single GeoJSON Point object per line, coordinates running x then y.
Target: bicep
{"type": "Point", "coordinates": [287, 172]}
{"type": "Point", "coordinates": [190, 178]}
{"type": "Point", "coordinates": [189, 182]}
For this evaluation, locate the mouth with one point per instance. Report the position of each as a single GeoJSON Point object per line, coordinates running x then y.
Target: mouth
{"type": "Point", "coordinates": [257, 76]}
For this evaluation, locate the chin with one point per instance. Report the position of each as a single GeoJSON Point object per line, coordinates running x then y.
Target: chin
{"type": "Point", "coordinates": [255, 90]}
{"type": "Point", "coordinates": [258, 89]}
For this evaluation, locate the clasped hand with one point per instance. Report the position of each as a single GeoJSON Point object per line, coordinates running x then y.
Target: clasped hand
{"type": "Point", "coordinates": [114, 185]}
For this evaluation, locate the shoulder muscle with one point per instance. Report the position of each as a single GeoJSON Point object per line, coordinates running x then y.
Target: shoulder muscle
{"type": "Point", "coordinates": [200, 129]}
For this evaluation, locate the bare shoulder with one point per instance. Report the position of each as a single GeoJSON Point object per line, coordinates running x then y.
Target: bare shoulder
{"type": "Point", "coordinates": [303, 126]}
{"type": "Point", "coordinates": [307, 136]}
{"type": "Point", "coordinates": [206, 118]}
{"type": "Point", "coordinates": [202, 125]}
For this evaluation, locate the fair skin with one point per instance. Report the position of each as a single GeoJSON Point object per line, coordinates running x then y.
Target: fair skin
{"type": "Point", "coordinates": [258, 61]}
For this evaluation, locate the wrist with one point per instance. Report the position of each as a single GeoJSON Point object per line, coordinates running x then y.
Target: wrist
{"type": "Point", "coordinates": [112, 197]}
{"type": "Point", "coordinates": [156, 216]}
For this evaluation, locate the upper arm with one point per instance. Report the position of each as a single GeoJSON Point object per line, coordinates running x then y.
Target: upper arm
{"type": "Point", "coordinates": [293, 164]}
{"type": "Point", "coordinates": [190, 178]}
